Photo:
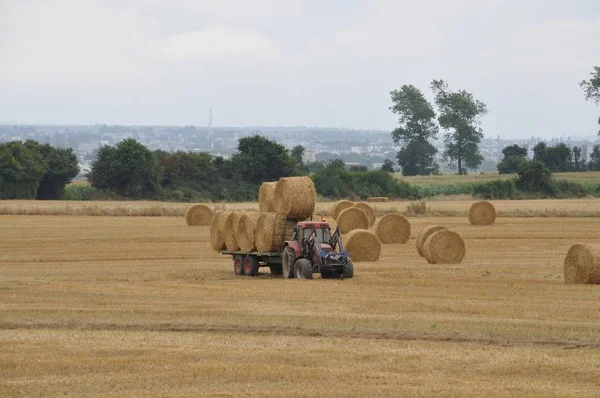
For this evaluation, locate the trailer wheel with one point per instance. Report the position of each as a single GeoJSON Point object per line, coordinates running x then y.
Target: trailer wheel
{"type": "Point", "coordinates": [238, 264]}
{"type": "Point", "coordinates": [288, 259]}
{"type": "Point", "coordinates": [348, 271]}
{"type": "Point", "coordinates": [303, 269]}
{"type": "Point", "coordinates": [251, 265]}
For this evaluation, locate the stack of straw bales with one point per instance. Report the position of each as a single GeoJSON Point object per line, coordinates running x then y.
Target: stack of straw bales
{"type": "Point", "coordinates": [582, 264]}
{"type": "Point", "coordinates": [482, 213]}
{"type": "Point", "coordinates": [290, 198]}
{"type": "Point", "coordinates": [440, 245]}
{"type": "Point", "coordinates": [198, 214]}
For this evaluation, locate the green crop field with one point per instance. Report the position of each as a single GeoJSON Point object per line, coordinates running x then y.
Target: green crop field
{"type": "Point", "coordinates": [592, 177]}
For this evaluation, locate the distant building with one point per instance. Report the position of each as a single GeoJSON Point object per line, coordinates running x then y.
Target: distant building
{"type": "Point", "coordinates": [309, 156]}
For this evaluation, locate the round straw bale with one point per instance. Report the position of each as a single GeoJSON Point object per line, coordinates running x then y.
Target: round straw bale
{"type": "Point", "coordinates": [393, 228]}
{"type": "Point", "coordinates": [362, 245]}
{"type": "Point", "coordinates": [369, 211]}
{"type": "Point", "coordinates": [424, 234]}
{"type": "Point", "coordinates": [198, 214]}
{"type": "Point", "coordinates": [245, 231]}
{"type": "Point", "coordinates": [582, 264]}
{"type": "Point", "coordinates": [352, 218]}
{"type": "Point", "coordinates": [230, 230]}
{"type": "Point", "coordinates": [444, 247]}
{"type": "Point", "coordinates": [266, 196]}
{"type": "Point", "coordinates": [378, 199]}
{"type": "Point", "coordinates": [339, 206]}
{"type": "Point", "coordinates": [482, 213]}
{"type": "Point", "coordinates": [271, 230]}
{"type": "Point", "coordinates": [295, 196]}
{"type": "Point", "coordinates": [217, 226]}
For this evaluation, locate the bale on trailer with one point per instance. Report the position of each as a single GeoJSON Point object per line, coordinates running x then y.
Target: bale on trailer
{"type": "Point", "coordinates": [424, 234]}
{"type": "Point", "coordinates": [482, 213]}
{"type": "Point", "coordinates": [198, 214]}
{"type": "Point", "coordinates": [362, 245]}
{"type": "Point", "coordinates": [245, 231]}
{"type": "Point", "coordinates": [271, 230]}
{"type": "Point", "coordinates": [295, 197]}
{"type": "Point", "coordinates": [444, 247]}
{"type": "Point", "coordinates": [393, 228]}
{"type": "Point", "coordinates": [352, 218]}
{"type": "Point", "coordinates": [230, 230]}
{"type": "Point", "coordinates": [582, 264]}
{"type": "Point", "coordinates": [266, 196]}
{"type": "Point", "coordinates": [338, 206]}
{"type": "Point", "coordinates": [217, 226]}
{"type": "Point", "coordinates": [369, 211]}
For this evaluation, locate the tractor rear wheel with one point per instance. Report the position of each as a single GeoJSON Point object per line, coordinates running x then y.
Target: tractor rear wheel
{"type": "Point", "coordinates": [303, 269]}
{"type": "Point", "coordinates": [251, 266]}
{"type": "Point", "coordinates": [238, 264]}
{"type": "Point", "coordinates": [288, 259]}
{"type": "Point", "coordinates": [348, 271]}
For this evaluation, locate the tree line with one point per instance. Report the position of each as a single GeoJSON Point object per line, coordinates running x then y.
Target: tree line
{"type": "Point", "coordinates": [129, 169]}
{"type": "Point", "coordinates": [557, 158]}
{"type": "Point", "coordinates": [30, 170]}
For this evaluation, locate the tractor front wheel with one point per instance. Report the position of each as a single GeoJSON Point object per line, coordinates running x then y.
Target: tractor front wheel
{"type": "Point", "coordinates": [348, 271]}
{"type": "Point", "coordinates": [303, 269]}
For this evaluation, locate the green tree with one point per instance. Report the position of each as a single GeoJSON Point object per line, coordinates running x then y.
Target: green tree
{"type": "Point", "coordinates": [297, 153]}
{"type": "Point", "coordinates": [591, 88]}
{"type": "Point", "coordinates": [388, 166]}
{"type": "Point", "coordinates": [594, 163]}
{"type": "Point", "coordinates": [459, 115]}
{"type": "Point", "coordinates": [577, 164]}
{"type": "Point", "coordinates": [193, 174]}
{"type": "Point", "coordinates": [260, 159]}
{"type": "Point", "coordinates": [128, 169]}
{"type": "Point", "coordinates": [21, 170]}
{"type": "Point", "coordinates": [534, 176]}
{"type": "Point", "coordinates": [62, 168]}
{"type": "Point", "coordinates": [556, 158]}
{"type": "Point", "coordinates": [416, 127]}
{"type": "Point", "coordinates": [417, 158]}
{"type": "Point", "coordinates": [513, 156]}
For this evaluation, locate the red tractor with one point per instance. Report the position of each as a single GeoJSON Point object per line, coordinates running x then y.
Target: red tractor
{"type": "Point", "coordinates": [314, 250]}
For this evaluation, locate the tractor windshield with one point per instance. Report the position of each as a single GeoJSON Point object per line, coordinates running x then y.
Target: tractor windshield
{"type": "Point", "coordinates": [321, 235]}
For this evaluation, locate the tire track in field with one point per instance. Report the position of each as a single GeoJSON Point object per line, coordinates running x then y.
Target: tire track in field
{"type": "Point", "coordinates": [301, 332]}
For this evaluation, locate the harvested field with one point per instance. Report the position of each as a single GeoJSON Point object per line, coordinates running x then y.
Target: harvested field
{"type": "Point", "coordinates": [119, 306]}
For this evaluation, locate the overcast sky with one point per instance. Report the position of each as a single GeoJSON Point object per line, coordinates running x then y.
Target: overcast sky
{"type": "Point", "coordinates": [291, 62]}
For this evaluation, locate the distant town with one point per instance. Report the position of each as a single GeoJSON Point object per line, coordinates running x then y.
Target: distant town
{"type": "Point", "coordinates": [361, 147]}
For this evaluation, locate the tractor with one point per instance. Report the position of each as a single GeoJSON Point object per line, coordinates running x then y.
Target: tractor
{"type": "Point", "coordinates": [313, 249]}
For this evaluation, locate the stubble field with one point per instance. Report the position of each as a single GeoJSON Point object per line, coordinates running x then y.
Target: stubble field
{"type": "Point", "coordinates": [141, 306]}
